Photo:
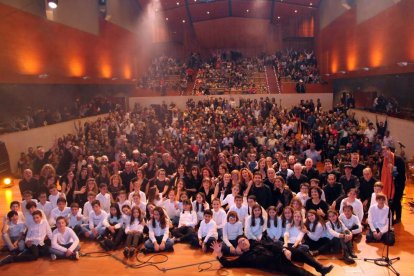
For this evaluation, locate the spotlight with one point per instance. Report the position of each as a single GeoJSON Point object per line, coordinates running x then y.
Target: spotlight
{"type": "Point", "coordinates": [53, 4]}
{"type": "Point", "coordinates": [7, 181]}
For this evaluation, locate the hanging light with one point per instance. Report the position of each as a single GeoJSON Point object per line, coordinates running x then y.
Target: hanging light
{"type": "Point", "coordinates": [53, 4]}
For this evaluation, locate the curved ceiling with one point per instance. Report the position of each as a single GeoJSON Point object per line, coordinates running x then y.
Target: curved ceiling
{"type": "Point", "coordinates": [177, 12]}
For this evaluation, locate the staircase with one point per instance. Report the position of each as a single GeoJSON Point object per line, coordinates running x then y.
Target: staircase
{"type": "Point", "coordinates": [271, 79]}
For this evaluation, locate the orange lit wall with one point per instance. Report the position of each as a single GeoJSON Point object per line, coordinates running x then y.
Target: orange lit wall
{"type": "Point", "coordinates": [31, 45]}
{"type": "Point", "coordinates": [378, 43]}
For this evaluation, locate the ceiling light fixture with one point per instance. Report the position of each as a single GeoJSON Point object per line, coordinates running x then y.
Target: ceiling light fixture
{"type": "Point", "coordinates": [53, 4]}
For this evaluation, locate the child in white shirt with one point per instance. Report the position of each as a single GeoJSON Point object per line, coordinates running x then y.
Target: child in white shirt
{"type": "Point", "coordinates": [185, 232]}
{"type": "Point", "coordinates": [134, 231]}
{"type": "Point", "coordinates": [45, 205]}
{"type": "Point", "coordinates": [95, 228]}
{"type": "Point", "coordinates": [303, 195]}
{"type": "Point", "coordinates": [171, 207]}
{"type": "Point", "coordinates": [158, 233]}
{"type": "Point", "coordinates": [13, 232]}
{"type": "Point", "coordinates": [229, 199]}
{"type": "Point", "coordinates": [219, 216]}
{"type": "Point", "coordinates": [207, 233]}
{"type": "Point", "coordinates": [54, 194]}
{"type": "Point", "coordinates": [232, 229]}
{"type": "Point", "coordinates": [378, 220]}
{"type": "Point", "coordinates": [87, 207]}
{"type": "Point", "coordinates": [104, 197]}
{"type": "Point", "coordinates": [65, 243]}
{"type": "Point", "coordinates": [75, 218]}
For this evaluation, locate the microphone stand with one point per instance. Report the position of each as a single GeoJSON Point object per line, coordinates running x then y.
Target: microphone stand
{"type": "Point", "coordinates": [386, 261]}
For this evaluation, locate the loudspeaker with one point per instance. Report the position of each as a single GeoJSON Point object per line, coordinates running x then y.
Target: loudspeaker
{"type": "Point", "coordinates": [4, 160]}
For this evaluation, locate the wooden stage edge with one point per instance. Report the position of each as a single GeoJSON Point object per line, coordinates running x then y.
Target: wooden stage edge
{"type": "Point", "coordinates": [183, 255]}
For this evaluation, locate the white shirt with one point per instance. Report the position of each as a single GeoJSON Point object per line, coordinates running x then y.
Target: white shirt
{"type": "Point", "coordinates": [356, 204]}
{"type": "Point", "coordinates": [220, 217]}
{"type": "Point", "coordinates": [141, 193]}
{"type": "Point", "coordinates": [96, 221]}
{"type": "Point", "coordinates": [318, 233]}
{"type": "Point", "coordinates": [188, 219]}
{"type": "Point", "coordinates": [58, 213]}
{"type": "Point", "coordinates": [294, 234]}
{"type": "Point", "coordinates": [303, 197]}
{"type": "Point", "coordinates": [274, 232]}
{"type": "Point", "coordinates": [229, 200]}
{"type": "Point", "coordinates": [349, 223]}
{"type": "Point", "coordinates": [254, 232]}
{"type": "Point", "coordinates": [336, 230]}
{"type": "Point", "coordinates": [134, 226]}
{"type": "Point", "coordinates": [46, 208]}
{"type": "Point", "coordinates": [53, 198]}
{"type": "Point", "coordinates": [15, 230]}
{"type": "Point", "coordinates": [122, 204]}
{"type": "Point", "coordinates": [242, 212]}
{"type": "Point", "coordinates": [30, 221]}
{"type": "Point", "coordinates": [68, 236]}
{"type": "Point", "coordinates": [231, 232]}
{"type": "Point", "coordinates": [77, 219]}
{"type": "Point", "coordinates": [105, 201]}
{"type": "Point", "coordinates": [170, 208]}
{"type": "Point", "coordinates": [378, 218]}
{"type": "Point", "coordinates": [157, 231]}
{"type": "Point", "coordinates": [200, 213]}
{"type": "Point", "coordinates": [207, 230]}
{"type": "Point", "coordinates": [370, 133]}
{"type": "Point", "coordinates": [37, 232]}
{"type": "Point", "coordinates": [87, 209]}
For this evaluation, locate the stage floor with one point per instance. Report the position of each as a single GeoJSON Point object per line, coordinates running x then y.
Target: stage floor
{"type": "Point", "coordinates": [183, 255]}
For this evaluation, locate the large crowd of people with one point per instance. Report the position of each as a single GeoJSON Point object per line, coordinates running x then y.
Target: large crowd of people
{"type": "Point", "coordinates": [297, 65]}
{"type": "Point", "coordinates": [237, 178]}
{"type": "Point", "coordinates": [33, 117]}
{"type": "Point", "coordinates": [229, 71]}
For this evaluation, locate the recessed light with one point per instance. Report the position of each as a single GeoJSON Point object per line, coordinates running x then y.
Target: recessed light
{"type": "Point", "coordinates": [296, 11]}
{"type": "Point", "coordinates": [278, 17]}
{"type": "Point", "coordinates": [166, 18]}
{"type": "Point", "coordinates": [247, 10]}
{"type": "Point", "coordinates": [178, 3]}
{"type": "Point", "coordinates": [208, 12]}
{"type": "Point", "coordinates": [183, 20]}
{"type": "Point", "coordinates": [310, 4]}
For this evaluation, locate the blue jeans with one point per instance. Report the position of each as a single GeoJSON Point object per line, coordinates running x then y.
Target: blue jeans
{"type": "Point", "coordinates": [62, 255]}
{"type": "Point", "coordinates": [86, 228]}
{"type": "Point", "coordinates": [10, 240]}
{"type": "Point", "coordinates": [149, 245]}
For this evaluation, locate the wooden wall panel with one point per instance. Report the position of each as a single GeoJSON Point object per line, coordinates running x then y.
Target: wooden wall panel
{"type": "Point", "coordinates": [31, 45]}
{"type": "Point", "coordinates": [379, 42]}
